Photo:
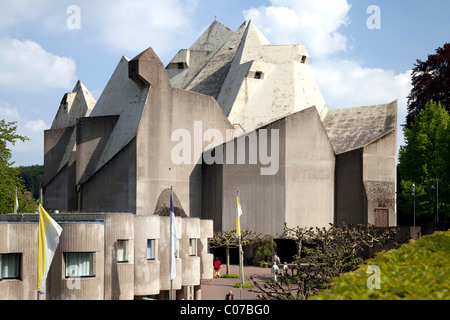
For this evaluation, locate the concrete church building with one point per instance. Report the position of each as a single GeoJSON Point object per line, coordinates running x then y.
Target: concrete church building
{"type": "Point", "coordinates": [231, 96]}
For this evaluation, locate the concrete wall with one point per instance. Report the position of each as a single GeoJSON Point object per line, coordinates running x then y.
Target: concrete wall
{"type": "Point", "coordinates": [351, 198]}
{"type": "Point", "coordinates": [191, 263]}
{"type": "Point", "coordinates": [380, 176]}
{"type": "Point", "coordinates": [146, 272]}
{"type": "Point", "coordinates": [168, 109]}
{"type": "Point", "coordinates": [206, 258]}
{"type": "Point", "coordinates": [113, 187]}
{"type": "Point", "coordinates": [10, 233]}
{"type": "Point", "coordinates": [59, 169]}
{"type": "Point", "coordinates": [300, 193]}
{"type": "Point", "coordinates": [309, 173]}
{"type": "Point", "coordinates": [119, 276]}
{"type": "Point", "coordinates": [77, 237]}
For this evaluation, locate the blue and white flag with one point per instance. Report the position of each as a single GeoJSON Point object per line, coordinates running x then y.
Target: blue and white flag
{"type": "Point", "coordinates": [173, 242]}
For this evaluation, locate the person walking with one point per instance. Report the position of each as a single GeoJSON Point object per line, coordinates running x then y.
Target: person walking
{"type": "Point", "coordinates": [275, 271]}
{"type": "Point", "coordinates": [229, 296]}
{"type": "Point", "coordinates": [217, 265]}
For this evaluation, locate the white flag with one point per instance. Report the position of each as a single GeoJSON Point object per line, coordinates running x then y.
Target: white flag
{"type": "Point", "coordinates": [48, 240]}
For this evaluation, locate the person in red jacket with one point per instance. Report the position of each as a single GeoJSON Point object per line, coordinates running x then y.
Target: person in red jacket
{"type": "Point", "coordinates": [217, 265]}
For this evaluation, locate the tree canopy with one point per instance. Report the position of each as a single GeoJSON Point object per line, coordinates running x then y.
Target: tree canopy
{"type": "Point", "coordinates": [423, 159]}
{"type": "Point", "coordinates": [10, 179]}
{"type": "Point", "coordinates": [430, 81]}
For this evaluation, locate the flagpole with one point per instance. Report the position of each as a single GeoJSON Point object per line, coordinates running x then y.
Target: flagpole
{"type": "Point", "coordinates": [241, 273]}
{"type": "Point", "coordinates": [170, 251]}
{"type": "Point", "coordinates": [15, 203]}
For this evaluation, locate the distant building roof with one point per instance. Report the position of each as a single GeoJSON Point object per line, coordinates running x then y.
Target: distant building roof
{"type": "Point", "coordinates": [353, 128]}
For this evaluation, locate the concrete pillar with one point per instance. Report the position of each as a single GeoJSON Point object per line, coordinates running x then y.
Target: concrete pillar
{"type": "Point", "coordinates": [198, 292]}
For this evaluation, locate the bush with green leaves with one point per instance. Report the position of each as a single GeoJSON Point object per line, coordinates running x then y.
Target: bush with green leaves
{"type": "Point", "coordinates": [230, 275]}
{"type": "Point", "coordinates": [418, 270]}
{"type": "Point", "coordinates": [324, 254]}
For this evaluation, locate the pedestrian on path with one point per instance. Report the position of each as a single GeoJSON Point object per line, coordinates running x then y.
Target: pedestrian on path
{"type": "Point", "coordinates": [217, 265]}
{"type": "Point", "coordinates": [275, 271]}
{"type": "Point", "coordinates": [229, 296]}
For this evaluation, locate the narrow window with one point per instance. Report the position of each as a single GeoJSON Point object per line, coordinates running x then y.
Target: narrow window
{"type": "Point", "coordinates": [122, 251]}
{"type": "Point", "coordinates": [10, 265]}
{"type": "Point", "coordinates": [303, 59]}
{"type": "Point", "coordinates": [80, 264]}
{"type": "Point", "coordinates": [193, 247]}
{"type": "Point", "coordinates": [180, 65]}
{"type": "Point", "coordinates": [151, 249]}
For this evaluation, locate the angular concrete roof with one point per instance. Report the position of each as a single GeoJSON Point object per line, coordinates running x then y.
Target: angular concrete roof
{"type": "Point", "coordinates": [124, 98]}
{"type": "Point", "coordinates": [254, 82]}
{"type": "Point", "coordinates": [76, 104]}
{"type": "Point", "coordinates": [353, 128]}
{"type": "Point", "coordinates": [187, 63]}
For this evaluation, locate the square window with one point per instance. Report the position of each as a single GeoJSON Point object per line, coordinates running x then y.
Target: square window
{"type": "Point", "coordinates": [122, 251]}
{"type": "Point", "coordinates": [151, 249]}
{"type": "Point", "coordinates": [258, 75]}
{"type": "Point", "coordinates": [10, 265]}
{"type": "Point", "coordinates": [80, 264]}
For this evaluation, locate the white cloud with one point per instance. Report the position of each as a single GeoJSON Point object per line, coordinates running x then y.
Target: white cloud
{"type": "Point", "coordinates": [129, 26]}
{"type": "Point", "coordinates": [21, 11]}
{"type": "Point", "coordinates": [7, 112]}
{"type": "Point", "coordinates": [36, 125]}
{"type": "Point", "coordinates": [346, 83]}
{"type": "Point", "coordinates": [312, 23]}
{"type": "Point", "coordinates": [139, 24]}
{"type": "Point", "coordinates": [25, 64]}
{"type": "Point", "coordinates": [30, 151]}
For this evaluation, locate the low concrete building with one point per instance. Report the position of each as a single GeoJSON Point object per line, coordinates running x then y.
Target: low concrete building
{"type": "Point", "coordinates": [105, 256]}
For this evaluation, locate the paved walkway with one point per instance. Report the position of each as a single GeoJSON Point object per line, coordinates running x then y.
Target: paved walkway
{"type": "Point", "coordinates": [216, 289]}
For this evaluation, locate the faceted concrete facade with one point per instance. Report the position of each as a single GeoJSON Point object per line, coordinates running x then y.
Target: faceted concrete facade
{"type": "Point", "coordinates": [231, 96]}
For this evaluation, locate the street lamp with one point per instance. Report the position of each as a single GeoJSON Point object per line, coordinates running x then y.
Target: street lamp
{"type": "Point", "coordinates": [437, 198]}
{"type": "Point", "coordinates": [414, 196]}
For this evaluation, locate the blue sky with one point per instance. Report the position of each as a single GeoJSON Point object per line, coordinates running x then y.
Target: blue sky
{"type": "Point", "coordinates": [41, 58]}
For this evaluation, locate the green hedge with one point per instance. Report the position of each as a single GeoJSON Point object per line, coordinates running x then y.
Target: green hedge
{"type": "Point", "coordinates": [230, 275]}
{"type": "Point", "coordinates": [418, 270]}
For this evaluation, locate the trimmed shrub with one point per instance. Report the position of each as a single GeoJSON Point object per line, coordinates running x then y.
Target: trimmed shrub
{"type": "Point", "coordinates": [244, 285]}
{"type": "Point", "coordinates": [230, 275]}
{"type": "Point", "coordinates": [418, 270]}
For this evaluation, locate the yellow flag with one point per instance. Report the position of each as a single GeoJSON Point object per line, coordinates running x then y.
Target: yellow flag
{"type": "Point", "coordinates": [238, 214]}
{"type": "Point", "coordinates": [48, 240]}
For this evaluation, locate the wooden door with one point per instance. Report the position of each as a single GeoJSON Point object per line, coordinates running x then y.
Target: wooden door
{"type": "Point", "coordinates": [381, 217]}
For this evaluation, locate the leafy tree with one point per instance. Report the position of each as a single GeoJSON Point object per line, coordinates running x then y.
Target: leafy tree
{"type": "Point", "coordinates": [33, 177]}
{"type": "Point", "coordinates": [10, 176]}
{"type": "Point", "coordinates": [229, 239]}
{"type": "Point", "coordinates": [324, 254]}
{"type": "Point", "coordinates": [265, 248]}
{"type": "Point", "coordinates": [423, 159]}
{"type": "Point", "coordinates": [430, 81]}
